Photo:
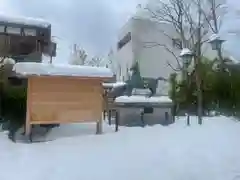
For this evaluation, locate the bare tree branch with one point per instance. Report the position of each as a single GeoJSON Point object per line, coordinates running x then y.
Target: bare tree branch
{"type": "Point", "coordinates": [79, 56]}
{"type": "Point", "coordinates": [95, 61]}
{"type": "Point", "coordinates": [154, 44]}
{"type": "Point", "coordinates": [174, 69]}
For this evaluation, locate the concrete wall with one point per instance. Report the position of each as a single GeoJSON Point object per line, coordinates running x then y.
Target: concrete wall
{"type": "Point", "coordinates": [153, 61]}
{"type": "Point", "coordinates": [123, 58]}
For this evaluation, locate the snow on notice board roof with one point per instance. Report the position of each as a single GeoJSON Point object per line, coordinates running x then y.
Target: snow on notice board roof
{"type": "Point", "coordinates": [114, 85]}
{"type": "Point", "coordinates": [143, 99]}
{"type": "Point", "coordinates": [43, 69]}
{"type": "Point", "coordinates": [24, 20]}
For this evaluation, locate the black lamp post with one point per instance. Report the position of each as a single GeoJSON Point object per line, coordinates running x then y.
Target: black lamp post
{"type": "Point", "coordinates": [186, 55]}
{"type": "Point", "coordinates": [216, 42]}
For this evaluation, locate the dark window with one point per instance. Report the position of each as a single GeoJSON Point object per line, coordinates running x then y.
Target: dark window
{"type": "Point", "coordinates": [177, 43]}
{"type": "Point", "coordinates": [124, 41]}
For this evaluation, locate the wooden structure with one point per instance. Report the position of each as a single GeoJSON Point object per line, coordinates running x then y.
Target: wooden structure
{"type": "Point", "coordinates": [61, 96]}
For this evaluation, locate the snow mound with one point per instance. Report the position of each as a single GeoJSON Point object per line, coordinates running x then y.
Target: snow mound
{"type": "Point", "coordinates": [143, 99]}
{"type": "Point", "coordinates": [44, 69]}
{"type": "Point", "coordinates": [176, 152]}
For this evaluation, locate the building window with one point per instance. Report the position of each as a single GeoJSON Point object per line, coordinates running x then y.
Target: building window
{"type": "Point", "coordinates": [29, 32]}
{"type": "Point", "coordinates": [124, 41]}
{"type": "Point", "coordinates": [2, 29]}
{"type": "Point", "coordinates": [177, 43]}
{"type": "Point", "coordinates": [13, 30]}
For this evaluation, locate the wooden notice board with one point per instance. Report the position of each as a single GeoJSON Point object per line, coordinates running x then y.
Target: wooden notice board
{"type": "Point", "coordinates": [54, 99]}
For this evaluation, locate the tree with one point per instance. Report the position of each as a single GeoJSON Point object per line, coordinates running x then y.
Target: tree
{"type": "Point", "coordinates": [95, 61]}
{"type": "Point", "coordinates": [79, 56]}
{"type": "Point", "coordinates": [109, 63]}
{"type": "Point", "coordinates": [192, 21]}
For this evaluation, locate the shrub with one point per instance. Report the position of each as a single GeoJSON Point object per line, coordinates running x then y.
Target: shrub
{"type": "Point", "coordinates": [220, 90]}
{"type": "Point", "coordinates": [14, 102]}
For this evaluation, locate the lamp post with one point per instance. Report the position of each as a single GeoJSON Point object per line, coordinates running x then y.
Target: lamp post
{"type": "Point", "coordinates": [216, 43]}
{"type": "Point", "coordinates": [186, 56]}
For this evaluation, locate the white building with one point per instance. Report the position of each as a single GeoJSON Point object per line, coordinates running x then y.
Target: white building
{"type": "Point", "coordinates": [155, 61]}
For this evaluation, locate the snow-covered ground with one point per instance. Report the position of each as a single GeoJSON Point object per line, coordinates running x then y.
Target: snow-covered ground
{"type": "Point", "coordinates": [175, 152]}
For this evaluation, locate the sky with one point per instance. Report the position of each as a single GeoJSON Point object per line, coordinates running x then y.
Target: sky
{"type": "Point", "coordinates": [93, 25]}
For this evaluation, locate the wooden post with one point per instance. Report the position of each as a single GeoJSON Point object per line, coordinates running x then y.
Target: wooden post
{"type": "Point", "coordinates": [99, 124]}
{"type": "Point", "coordinates": [116, 121]}
{"type": "Point", "coordinates": [51, 59]}
{"type": "Point", "coordinates": [28, 115]}
{"type": "Point", "coordinates": [166, 118]}
{"type": "Point", "coordinates": [99, 127]}
{"type": "Point", "coordinates": [109, 117]}
{"type": "Point", "coordinates": [188, 119]}
{"type": "Point", "coordinates": [142, 118]}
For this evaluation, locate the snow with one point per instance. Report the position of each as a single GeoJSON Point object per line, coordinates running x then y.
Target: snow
{"type": "Point", "coordinates": [143, 99]}
{"type": "Point", "coordinates": [114, 85]}
{"type": "Point", "coordinates": [214, 37]}
{"type": "Point", "coordinates": [24, 20]}
{"type": "Point", "coordinates": [207, 152]}
{"type": "Point", "coordinates": [8, 61]}
{"type": "Point", "coordinates": [45, 69]}
{"type": "Point", "coordinates": [185, 51]}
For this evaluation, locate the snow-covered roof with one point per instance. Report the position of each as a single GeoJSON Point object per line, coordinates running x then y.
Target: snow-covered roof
{"type": "Point", "coordinates": [114, 85]}
{"type": "Point", "coordinates": [185, 51]}
{"type": "Point", "coordinates": [24, 20]}
{"type": "Point", "coordinates": [214, 37]}
{"type": "Point", "coordinates": [143, 99]}
{"type": "Point", "coordinates": [44, 69]}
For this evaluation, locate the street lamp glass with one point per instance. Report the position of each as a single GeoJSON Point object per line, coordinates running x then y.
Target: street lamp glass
{"type": "Point", "coordinates": [216, 44]}
{"type": "Point", "coordinates": [186, 56]}
{"type": "Point", "coordinates": [186, 59]}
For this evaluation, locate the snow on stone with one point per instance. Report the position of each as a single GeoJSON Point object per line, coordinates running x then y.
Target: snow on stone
{"type": "Point", "coordinates": [143, 99]}
{"type": "Point", "coordinates": [175, 152]}
{"type": "Point", "coordinates": [24, 20]}
{"type": "Point", "coordinates": [114, 85]}
{"type": "Point", "coordinates": [44, 69]}
{"type": "Point", "coordinates": [8, 61]}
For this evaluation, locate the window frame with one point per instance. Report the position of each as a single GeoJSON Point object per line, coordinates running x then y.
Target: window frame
{"type": "Point", "coordinates": [125, 40]}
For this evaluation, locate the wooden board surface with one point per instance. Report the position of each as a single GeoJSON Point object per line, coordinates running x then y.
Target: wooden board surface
{"type": "Point", "coordinates": [64, 100]}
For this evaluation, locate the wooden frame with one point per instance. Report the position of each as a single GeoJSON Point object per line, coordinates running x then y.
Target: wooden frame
{"type": "Point", "coordinates": [59, 99]}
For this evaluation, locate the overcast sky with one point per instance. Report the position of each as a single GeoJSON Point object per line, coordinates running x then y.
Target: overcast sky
{"type": "Point", "coordinates": [91, 24]}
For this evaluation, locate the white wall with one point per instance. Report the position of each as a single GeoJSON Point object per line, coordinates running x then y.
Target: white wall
{"type": "Point", "coordinates": [123, 58]}
{"type": "Point", "coordinates": [153, 61]}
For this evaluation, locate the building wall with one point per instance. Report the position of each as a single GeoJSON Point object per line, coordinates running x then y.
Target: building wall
{"type": "Point", "coordinates": [153, 60]}
{"type": "Point", "coordinates": [123, 58]}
